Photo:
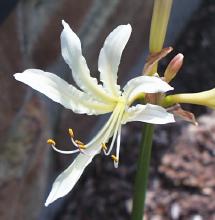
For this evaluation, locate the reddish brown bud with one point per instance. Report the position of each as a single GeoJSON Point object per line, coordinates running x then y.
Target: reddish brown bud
{"type": "Point", "coordinates": [173, 67]}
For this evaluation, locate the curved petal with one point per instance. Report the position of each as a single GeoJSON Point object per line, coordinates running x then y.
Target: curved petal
{"type": "Point", "coordinates": [110, 55]}
{"type": "Point", "coordinates": [60, 91]}
{"type": "Point", "coordinates": [68, 178]}
{"type": "Point", "coordinates": [72, 54]}
{"type": "Point", "coordinates": [144, 84]}
{"type": "Point", "coordinates": [149, 113]}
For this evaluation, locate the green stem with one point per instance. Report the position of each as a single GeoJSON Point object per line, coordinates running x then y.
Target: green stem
{"type": "Point", "coordinates": [159, 23]}
{"type": "Point", "coordinates": [141, 180]}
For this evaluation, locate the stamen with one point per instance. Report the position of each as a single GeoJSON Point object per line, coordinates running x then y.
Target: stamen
{"type": "Point", "coordinates": [79, 142]}
{"type": "Point", "coordinates": [104, 147]}
{"type": "Point", "coordinates": [53, 145]}
{"type": "Point", "coordinates": [82, 146]}
{"type": "Point", "coordinates": [114, 158]}
{"type": "Point", "coordinates": [117, 126]}
{"type": "Point", "coordinates": [71, 133]}
{"type": "Point", "coordinates": [51, 142]}
{"type": "Point", "coordinates": [73, 141]}
{"type": "Point", "coordinates": [64, 151]}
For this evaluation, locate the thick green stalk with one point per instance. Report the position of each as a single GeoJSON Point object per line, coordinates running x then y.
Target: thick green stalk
{"type": "Point", "coordinates": [141, 180]}
{"type": "Point", "coordinates": [159, 23]}
{"type": "Point", "coordinates": [160, 18]}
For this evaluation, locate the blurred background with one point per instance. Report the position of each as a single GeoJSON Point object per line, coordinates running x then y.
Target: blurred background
{"type": "Point", "coordinates": [182, 183]}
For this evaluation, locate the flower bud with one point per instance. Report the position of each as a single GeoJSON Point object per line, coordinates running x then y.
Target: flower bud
{"type": "Point", "coordinates": [173, 67]}
{"type": "Point", "coordinates": [206, 98]}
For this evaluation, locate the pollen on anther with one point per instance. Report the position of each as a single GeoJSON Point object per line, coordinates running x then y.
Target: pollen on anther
{"type": "Point", "coordinates": [104, 146]}
{"type": "Point", "coordinates": [51, 142]}
{"type": "Point", "coordinates": [114, 158]}
{"type": "Point", "coordinates": [71, 133]}
{"type": "Point", "coordinates": [82, 146]}
{"type": "Point", "coordinates": [79, 142]}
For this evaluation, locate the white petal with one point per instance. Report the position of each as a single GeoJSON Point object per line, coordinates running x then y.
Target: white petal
{"type": "Point", "coordinates": [60, 91]}
{"type": "Point", "coordinates": [110, 55]}
{"type": "Point", "coordinates": [144, 84]}
{"type": "Point", "coordinates": [149, 113]}
{"type": "Point", "coordinates": [72, 54]}
{"type": "Point", "coordinates": [68, 178]}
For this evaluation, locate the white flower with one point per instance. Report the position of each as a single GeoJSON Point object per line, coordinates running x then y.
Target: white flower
{"type": "Point", "coordinates": [94, 99]}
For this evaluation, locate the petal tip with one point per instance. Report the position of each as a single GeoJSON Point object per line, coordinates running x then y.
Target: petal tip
{"type": "Point", "coordinates": [125, 28]}
{"type": "Point", "coordinates": [17, 76]}
{"type": "Point", "coordinates": [65, 24]}
{"type": "Point", "coordinates": [171, 118]}
{"type": "Point", "coordinates": [129, 26]}
{"type": "Point", "coordinates": [171, 88]}
{"type": "Point", "coordinates": [49, 200]}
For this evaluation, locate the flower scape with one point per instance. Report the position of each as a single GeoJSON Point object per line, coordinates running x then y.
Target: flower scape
{"type": "Point", "coordinates": [93, 98]}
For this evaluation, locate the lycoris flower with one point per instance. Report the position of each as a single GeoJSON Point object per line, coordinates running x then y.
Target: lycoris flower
{"type": "Point", "coordinates": [93, 99]}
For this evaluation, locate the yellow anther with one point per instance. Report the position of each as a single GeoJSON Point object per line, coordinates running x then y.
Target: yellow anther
{"type": "Point", "coordinates": [71, 133]}
{"type": "Point", "coordinates": [82, 146]}
{"type": "Point", "coordinates": [79, 142]}
{"type": "Point", "coordinates": [51, 142]}
{"type": "Point", "coordinates": [114, 158]}
{"type": "Point", "coordinates": [104, 146]}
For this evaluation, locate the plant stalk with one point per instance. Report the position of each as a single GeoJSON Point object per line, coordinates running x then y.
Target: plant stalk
{"type": "Point", "coordinates": [141, 180]}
